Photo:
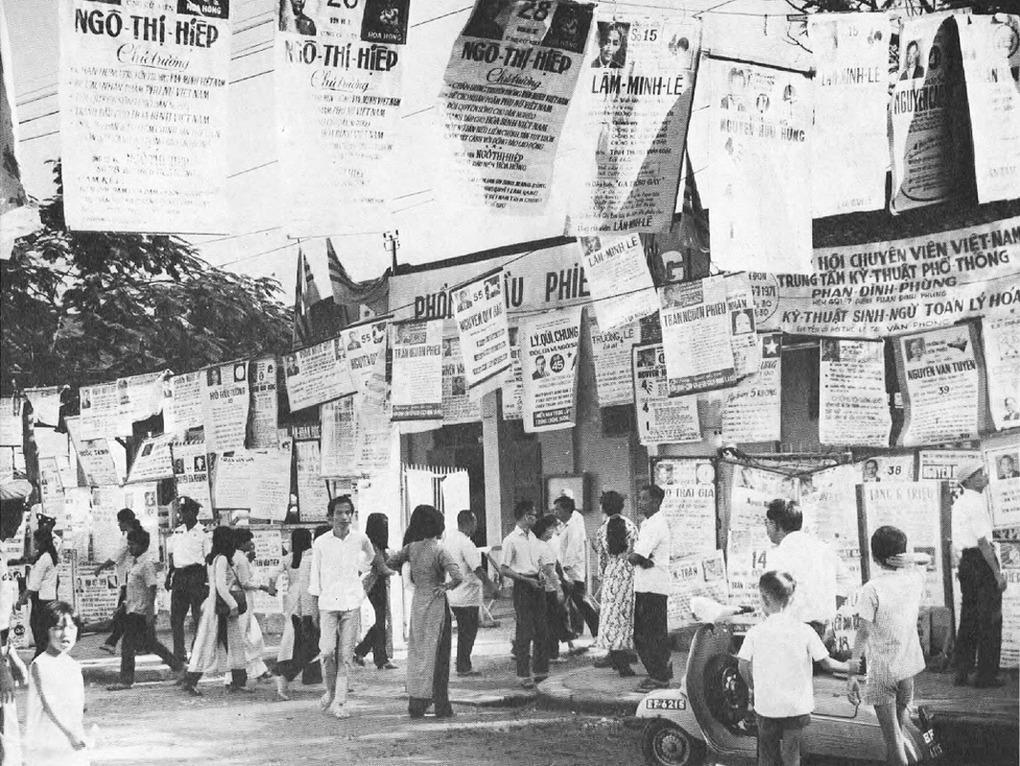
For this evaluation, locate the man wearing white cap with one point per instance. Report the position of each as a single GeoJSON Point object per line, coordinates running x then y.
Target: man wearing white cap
{"type": "Point", "coordinates": [981, 581]}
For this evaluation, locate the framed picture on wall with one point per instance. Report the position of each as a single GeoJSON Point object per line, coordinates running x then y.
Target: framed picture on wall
{"type": "Point", "coordinates": [573, 484]}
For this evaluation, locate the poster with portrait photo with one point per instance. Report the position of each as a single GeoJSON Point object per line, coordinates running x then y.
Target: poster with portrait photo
{"type": "Point", "coordinates": [1001, 338]}
{"type": "Point", "coordinates": [226, 399]}
{"type": "Point", "coordinates": [1002, 465]}
{"type": "Point", "coordinates": [699, 574]}
{"type": "Point", "coordinates": [662, 418]}
{"type": "Point", "coordinates": [264, 404]}
{"type": "Point", "coordinates": [318, 373]}
{"type": "Point", "coordinates": [853, 404]}
{"type": "Point", "coordinates": [512, 395]}
{"type": "Point", "coordinates": [191, 475]}
{"type": "Point", "coordinates": [417, 392]}
{"type": "Point", "coordinates": [458, 407]}
{"type": "Point", "coordinates": [152, 461]}
{"type": "Point", "coordinates": [618, 279]}
{"type": "Point", "coordinates": [480, 313]}
{"type": "Point", "coordinates": [550, 345]}
{"type": "Point", "coordinates": [365, 345]}
{"type": "Point", "coordinates": [183, 406]}
{"type": "Point", "coordinates": [689, 503]}
{"type": "Point", "coordinates": [100, 412]}
{"type": "Point", "coordinates": [885, 467]}
{"type": "Point", "coordinates": [751, 409]}
{"type": "Point", "coordinates": [1009, 558]}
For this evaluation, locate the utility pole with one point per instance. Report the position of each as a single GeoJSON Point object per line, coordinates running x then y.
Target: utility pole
{"type": "Point", "coordinates": [391, 241]}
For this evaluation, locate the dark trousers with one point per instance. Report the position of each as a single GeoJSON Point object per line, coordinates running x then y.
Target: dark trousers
{"type": "Point", "coordinates": [375, 639]}
{"type": "Point", "coordinates": [306, 648]}
{"type": "Point", "coordinates": [651, 638]}
{"type": "Point", "coordinates": [117, 623]}
{"type": "Point", "coordinates": [188, 591]}
{"type": "Point", "coordinates": [140, 638]}
{"type": "Point", "coordinates": [980, 630]}
{"type": "Point", "coordinates": [440, 679]}
{"type": "Point", "coordinates": [40, 633]}
{"type": "Point", "coordinates": [467, 631]}
{"type": "Point", "coordinates": [532, 630]}
{"type": "Point", "coordinates": [585, 606]}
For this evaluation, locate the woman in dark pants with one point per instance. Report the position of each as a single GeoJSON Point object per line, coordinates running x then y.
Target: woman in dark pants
{"type": "Point", "coordinates": [377, 529]}
{"type": "Point", "coordinates": [42, 587]}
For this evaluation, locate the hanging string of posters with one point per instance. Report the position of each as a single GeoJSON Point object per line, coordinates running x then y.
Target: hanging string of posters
{"type": "Point", "coordinates": [264, 404]}
{"type": "Point", "coordinates": [760, 141]}
{"type": "Point", "coordinates": [853, 405]}
{"type": "Point", "coordinates": [689, 503]}
{"type": "Point", "coordinates": [700, 574]}
{"type": "Point", "coordinates": [311, 487]}
{"type": "Point", "coordinates": [183, 407]}
{"type": "Point", "coordinates": [1003, 469]}
{"type": "Point", "coordinates": [617, 274]}
{"type": "Point", "coordinates": [550, 344]}
{"type": "Point", "coordinates": [1001, 337]}
{"type": "Point", "coordinates": [191, 475]}
{"type": "Point", "coordinates": [751, 412]}
{"type": "Point", "coordinates": [479, 308]}
{"type": "Point", "coordinates": [145, 80]}
{"type": "Point", "coordinates": [317, 374]}
{"type": "Point", "coordinates": [417, 392]}
{"type": "Point", "coordinates": [506, 91]}
{"type": "Point", "coordinates": [611, 355]}
{"type": "Point", "coordinates": [638, 84]}
{"type": "Point", "coordinates": [337, 91]}
{"type": "Point", "coordinates": [458, 406]}
{"type": "Point", "coordinates": [904, 285]}
{"type": "Point", "coordinates": [258, 480]}
{"type": "Point", "coordinates": [225, 400]}
{"type": "Point", "coordinates": [940, 378]}
{"type": "Point", "coordinates": [661, 417]}
{"type": "Point", "coordinates": [851, 60]}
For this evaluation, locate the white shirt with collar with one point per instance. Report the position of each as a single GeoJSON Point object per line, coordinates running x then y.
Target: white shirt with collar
{"type": "Point", "coordinates": [43, 578]}
{"type": "Point", "coordinates": [818, 571]}
{"type": "Point", "coordinates": [337, 565]}
{"type": "Point", "coordinates": [122, 560]}
{"type": "Point", "coordinates": [189, 546]}
{"type": "Point", "coordinates": [970, 520]}
{"type": "Point", "coordinates": [468, 558]}
{"type": "Point", "coordinates": [521, 552]}
{"type": "Point", "coordinates": [573, 544]}
{"type": "Point", "coordinates": [654, 543]}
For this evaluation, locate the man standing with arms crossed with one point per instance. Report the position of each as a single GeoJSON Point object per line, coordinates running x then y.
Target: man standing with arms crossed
{"type": "Point", "coordinates": [186, 578]}
{"type": "Point", "coordinates": [573, 547]}
{"type": "Point", "coordinates": [652, 585]}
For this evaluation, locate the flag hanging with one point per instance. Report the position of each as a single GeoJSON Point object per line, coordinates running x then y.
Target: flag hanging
{"type": "Point", "coordinates": [306, 295]}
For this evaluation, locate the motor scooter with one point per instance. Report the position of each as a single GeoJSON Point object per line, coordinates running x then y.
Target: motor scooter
{"type": "Point", "coordinates": [708, 715]}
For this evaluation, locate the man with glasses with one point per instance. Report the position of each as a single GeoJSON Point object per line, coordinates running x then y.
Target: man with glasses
{"type": "Point", "coordinates": [520, 564]}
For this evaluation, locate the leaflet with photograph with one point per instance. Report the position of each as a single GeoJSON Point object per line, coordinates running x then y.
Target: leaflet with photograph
{"type": "Point", "coordinates": [1009, 558]}
{"type": "Point", "coordinates": [141, 396]}
{"type": "Point", "coordinates": [828, 501]}
{"type": "Point", "coordinates": [339, 434]}
{"type": "Point", "coordinates": [1001, 337]}
{"type": "Point", "coordinates": [145, 81]}
{"type": "Point", "coordinates": [751, 409]}
{"type": "Point", "coordinates": [689, 504]}
{"type": "Point", "coordinates": [940, 378]}
{"type": "Point", "coordinates": [365, 345]}
{"type": "Point", "coordinates": [417, 389]}
{"type": "Point", "coordinates": [458, 405]}
{"type": "Point", "coordinates": [141, 498]}
{"type": "Point", "coordinates": [699, 574]}
{"type": "Point", "coordinates": [479, 308]}
{"type": "Point", "coordinates": [191, 474]}
{"type": "Point", "coordinates": [95, 595]}
{"type": "Point", "coordinates": [152, 461]}
{"type": "Point", "coordinates": [550, 345]}
{"type": "Point", "coordinates": [45, 404]}
{"type": "Point", "coordinates": [258, 480]}
{"type": "Point", "coordinates": [512, 395]}
{"type": "Point", "coordinates": [264, 404]}
{"type": "Point", "coordinates": [941, 464]}
{"type": "Point", "coordinates": [853, 404]}
{"type": "Point", "coordinates": [318, 374]}
{"type": "Point", "coordinates": [636, 89]}
{"type": "Point", "coordinates": [890, 467]}
{"type": "Point", "coordinates": [100, 412]}
{"type": "Point", "coordinates": [183, 407]}
{"type": "Point", "coordinates": [611, 355]}
{"type": "Point", "coordinates": [1003, 468]}
{"type": "Point", "coordinates": [617, 273]}
{"type": "Point", "coordinates": [226, 399]}
{"type": "Point", "coordinates": [312, 496]}
{"type": "Point", "coordinates": [507, 88]}
{"type": "Point", "coordinates": [662, 417]}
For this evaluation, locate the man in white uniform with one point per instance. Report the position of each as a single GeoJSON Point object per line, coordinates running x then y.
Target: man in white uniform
{"type": "Point", "coordinates": [186, 575]}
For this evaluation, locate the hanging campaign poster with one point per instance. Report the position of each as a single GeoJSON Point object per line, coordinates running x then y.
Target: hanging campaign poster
{"type": "Point", "coordinates": [106, 501]}
{"type": "Point", "coordinates": [828, 501]}
{"type": "Point", "coordinates": [751, 411]}
{"type": "Point", "coordinates": [925, 162]}
{"type": "Point", "coordinates": [191, 474]}
{"type": "Point", "coordinates": [611, 355]}
{"type": "Point", "coordinates": [1003, 468]}
{"type": "Point", "coordinates": [621, 287]}
{"type": "Point", "coordinates": [268, 554]}
{"type": "Point", "coordinates": [258, 480]}
{"type": "Point", "coordinates": [637, 86]}
{"type": "Point", "coordinates": [751, 490]}
{"type": "Point", "coordinates": [141, 396]}
{"type": "Point", "coordinates": [689, 504]}
{"type": "Point", "coordinates": [1009, 558]}
{"type": "Point", "coordinates": [941, 384]}
{"type": "Point", "coordinates": [365, 345]}
{"type": "Point", "coordinates": [480, 312]}
{"type": "Point", "coordinates": [417, 392]}
{"type": "Point", "coordinates": [337, 444]}
{"type": "Point", "coordinates": [988, 47]}
{"type": "Point", "coordinates": [45, 404]}
{"type": "Point", "coordinates": [338, 71]}
{"type": "Point", "coordinates": [851, 60]}
{"type": "Point", "coordinates": [51, 488]}
{"type": "Point", "coordinates": [94, 457]}
{"type": "Point", "coordinates": [374, 439]}
{"type": "Point", "coordinates": [458, 405]}
{"type": "Point", "coordinates": [550, 345]}
{"type": "Point", "coordinates": [891, 467]}
{"type": "Point", "coordinates": [152, 461]}
{"type": "Point", "coordinates": [145, 80]}
{"type": "Point", "coordinates": [95, 595]}
{"type": "Point", "coordinates": [512, 396]}
{"type": "Point", "coordinates": [662, 418]}
{"type": "Point", "coordinates": [225, 400]}
{"type": "Point", "coordinates": [318, 374]}
{"type": "Point", "coordinates": [914, 508]}
{"type": "Point", "coordinates": [1001, 336]}
{"type": "Point", "coordinates": [507, 87]}
{"type": "Point", "coordinates": [941, 464]}
{"type": "Point", "coordinates": [183, 407]}
{"type": "Point", "coordinates": [99, 407]}
{"type": "Point", "coordinates": [853, 405]}
{"type": "Point", "coordinates": [264, 408]}
{"type": "Point", "coordinates": [761, 121]}
{"type": "Point", "coordinates": [311, 487]}
{"type": "Point", "coordinates": [10, 421]}
{"type": "Point", "coordinates": [699, 574]}
{"type": "Point", "coordinates": [142, 499]}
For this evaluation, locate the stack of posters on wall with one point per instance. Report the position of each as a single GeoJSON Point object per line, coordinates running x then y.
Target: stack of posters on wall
{"type": "Point", "coordinates": [417, 393]}
{"type": "Point", "coordinates": [128, 75]}
{"type": "Point", "coordinates": [258, 480]}
{"type": "Point", "coordinates": [318, 373]}
{"type": "Point", "coordinates": [662, 418]}
{"type": "Point", "coordinates": [191, 475]}
{"type": "Point", "coordinates": [689, 504]}
{"type": "Point", "coordinates": [853, 405]}
{"type": "Point", "coordinates": [700, 574]}
{"type": "Point", "coordinates": [611, 355]}
{"type": "Point", "coordinates": [338, 73]}
{"type": "Point", "coordinates": [550, 345]}
{"type": "Point", "coordinates": [1001, 338]}
{"type": "Point", "coordinates": [479, 308]}
{"type": "Point", "coordinates": [1003, 469]}
{"type": "Point", "coordinates": [225, 401]}
{"type": "Point", "coordinates": [747, 541]}
{"type": "Point", "coordinates": [751, 412]}
{"type": "Point", "coordinates": [503, 128]}
{"type": "Point", "coordinates": [264, 404]}
{"type": "Point", "coordinates": [637, 87]}
{"type": "Point", "coordinates": [183, 406]}
{"type": "Point", "coordinates": [458, 405]}
{"type": "Point", "coordinates": [617, 274]}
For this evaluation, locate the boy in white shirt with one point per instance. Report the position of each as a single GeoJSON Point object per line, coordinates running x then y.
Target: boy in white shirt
{"type": "Point", "coordinates": [776, 662]}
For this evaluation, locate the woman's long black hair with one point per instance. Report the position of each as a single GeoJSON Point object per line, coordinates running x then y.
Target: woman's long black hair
{"type": "Point", "coordinates": [377, 528]}
{"type": "Point", "coordinates": [300, 541]}
{"type": "Point", "coordinates": [222, 544]}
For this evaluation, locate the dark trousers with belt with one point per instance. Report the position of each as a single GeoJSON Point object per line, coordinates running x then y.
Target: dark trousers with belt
{"type": "Point", "coordinates": [117, 623]}
{"type": "Point", "coordinates": [375, 639]}
{"type": "Point", "coordinates": [651, 639]}
{"type": "Point", "coordinates": [532, 630]}
{"type": "Point", "coordinates": [140, 638]}
{"type": "Point", "coordinates": [187, 592]}
{"type": "Point", "coordinates": [980, 632]}
{"type": "Point", "coordinates": [467, 631]}
{"type": "Point", "coordinates": [588, 610]}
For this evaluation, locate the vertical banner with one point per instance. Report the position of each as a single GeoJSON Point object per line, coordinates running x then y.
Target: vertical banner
{"type": "Point", "coordinates": [851, 59]}
{"type": "Point", "coordinates": [143, 114]}
{"type": "Point", "coordinates": [941, 384]}
{"type": "Point", "coordinates": [621, 287]}
{"type": "Point", "coordinates": [853, 405]}
{"type": "Point", "coordinates": [751, 412]}
{"type": "Point", "coordinates": [1003, 468]}
{"type": "Point", "coordinates": [264, 414]}
{"type": "Point", "coordinates": [365, 344]}
{"type": "Point", "coordinates": [418, 370]}
{"type": "Point", "coordinates": [828, 500]}
{"type": "Point", "coordinates": [512, 396]}
{"type": "Point", "coordinates": [337, 444]}
{"type": "Point", "coordinates": [312, 495]}
{"type": "Point", "coordinates": [479, 308]}
{"type": "Point", "coordinates": [1001, 337]}
{"type": "Point", "coordinates": [100, 412]}
{"type": "Point", "coordinates": [550, 344]}
{"type": "Point", "coordinates": [225, 399]}
{"type": "Point", "coordinates": [689, 504]}
{"type": "Point", "coordinates": [661, 417]}
{"type": "Point", "coordinates": [183, 408]}
{"type": "Point", "coordinates": [987, 44]}
{"type": "Point", "coordinates": [458, 406]}
{"type": "Point", "coordinates": [611, 355]}
{"type": "Point", "coordinates": [338, 69]}
{"type": "Point", "coordinates": [638, 84]}
{"type": "Point", "coordinates": [925, 166]}
{"type": "Point", "coordinates": [318, 374]}
{"type": "Point", "coordinates": [700, 574]}
{"type": "Point", "coordinates": [761, 124]}
{"type": "Point", "coordinates": [191, 475]}
{"type": "Point", "coordinates": [506, 91]}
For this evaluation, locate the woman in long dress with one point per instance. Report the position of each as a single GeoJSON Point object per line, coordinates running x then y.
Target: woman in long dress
{"type": "Point", "coordinates": [377, 585]}
{"type": "Point", "coordinates": [616, 618]}
{"type": "Point", "coordinates": [219, 643]}
{"type": "Point", "coordinates": [428, 646]}
{"type": "Point", "coordinates": [254, 643]}
{"type": "Point", "coordinates": [299, 644]}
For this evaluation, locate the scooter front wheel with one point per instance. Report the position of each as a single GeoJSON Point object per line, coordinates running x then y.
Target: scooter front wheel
{"type": "Point", "coordinates": [666, 744]}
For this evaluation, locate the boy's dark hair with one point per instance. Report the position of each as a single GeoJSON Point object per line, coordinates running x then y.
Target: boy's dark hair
{"type": "Point", "coordinates": [54, 611]}
{"type": "Point", "coordinates": [786, 514]}
{"type": "Point", "coordinates": [465, 517]}
{"type": "Point", "coordinates": [616, 535]}
{"type": "Point", "coordinates": [242, 535]}
{"type": "Point", "coordinates": [522, 507]}
{"type": "Point", "coordinates": [778, 586]}
{"type": "Point", "coordinates": [139, 536]}
{"type": "Point", "coordinates": [543, 524]}
{"type": "Point", "coordinates": [331, 508]}
{"type": "Point", "coordinates": [565, 501]}
{"type": "Point", "coordinates": [126, 515]}
{"type": "Point", "coordinates": [655, 492]}
{"type": "Point", "coordinates": [612, 502]}
{"type": "Point", "coordinates": [887, 542]}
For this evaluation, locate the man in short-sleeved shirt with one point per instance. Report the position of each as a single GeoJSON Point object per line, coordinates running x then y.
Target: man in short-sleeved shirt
{"type": "Point", "coordinates": [186, 577]}
{"type": "Point", "coordinates": [466, 599]}
{"type": "Point", "coordinates": [520, 564]}
{"type": "Point", "coordinates": [652, 585]}
{"type": "Point", "coordinates": [573, 548]}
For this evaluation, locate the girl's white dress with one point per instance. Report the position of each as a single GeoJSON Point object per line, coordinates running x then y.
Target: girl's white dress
{"type": "Point", "coordinates": [45, 744]}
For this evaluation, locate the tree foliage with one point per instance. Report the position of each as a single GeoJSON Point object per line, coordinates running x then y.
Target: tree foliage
{"type": "Point", "coordinates": [84, 307]}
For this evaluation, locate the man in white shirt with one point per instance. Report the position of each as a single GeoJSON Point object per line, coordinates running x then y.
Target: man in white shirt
{"type": "Point", "coordinates": [186, 577]}
{"type": "Point", "coordinates": [981, 581]}
{"type": "Point", "coordinates": [573, 547]}
{"type": "Point", "coordinates": [339, 558]}
{"type": "Point", "coordinates": [121, 561]}
{"type": "Point", "coordinates": [520, 564]}
{"type": "Point", "coordinates": [466, 599]}
{"type": "Point", "coordinates": [652, 585]}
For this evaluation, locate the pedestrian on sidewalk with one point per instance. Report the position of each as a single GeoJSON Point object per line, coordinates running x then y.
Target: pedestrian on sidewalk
{"type": "Point", "coordinates": [614, 542]}
{"type": "Point", "coordinates": [120, 560]}
{"type": "Point", "coordinates": [466, 599]}
{"type": "Point", "coordinates": [254, 643]}
{"type": "Point", "coordinates": [652, 586]}
{"type": "Point", "coordinates": [520, 564]}
{"type": "Point", "coordinates": [41, 588]}
{"type": "Point", "coordinates": [433, 573]}
{"type": "Point", "coordinates": [139, 620]}
{"type": "Point", "coordinates": [377, 585]}
{"type": "Point", "coordinates": [187, 572]}
{"type": "Point", "coordinates": [299, 643]}
{"type": "Point", "coordinates": [573, 546]}
{"type": "Point", "coordinates": [13, 672]}
{"type": "Point", "coordinates": [549, 575]}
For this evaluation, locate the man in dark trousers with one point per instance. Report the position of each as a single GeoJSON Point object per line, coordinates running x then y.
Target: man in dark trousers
{"type": "Point", "coordinates": [186, 578]}
{"type": "Point", "coordinates": [573, 549]}
{"type": "Point", "coordinates": [520, 564]}
{"type": "Point", "coordinates": [652, 584]}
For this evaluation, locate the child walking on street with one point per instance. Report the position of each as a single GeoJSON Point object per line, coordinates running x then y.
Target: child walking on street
{"type": "Point", "coordinates": [776, 662]}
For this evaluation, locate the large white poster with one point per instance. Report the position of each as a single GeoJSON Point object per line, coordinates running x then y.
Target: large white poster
{"type": "Point", "coordinates": [264, 403]}
{"type": "Point", "coordinates": [141, 396]}
{"type": "Point", "coordinates": [339, 433]}
{"type": "Point", "coordinates": [10, 421]}
{"type": "Point", "coordinates": [143, 114]}
{"type": "Point", "coordinates": [1009, 558]}
{"type": "Point", "coordinates": [417, 370]}
{"type": "Point", "coordinates": [191, 474]}
{"type": "Point", "coordinates": [509, 82]}
{"type": "Point", "coordinates": [268, 554]}
{"type": "Point", "coordinates": [100, 412]}
{"type": "Point", "coordinates": [1001, 338]}
{"type": "Point", "coordinates": [853, 405]}
{"type": "Point", "coordinates": [611, 354]}
{"type": "Point", "coordinates": [458, 405]}
{"type": "Point", "coordinates": [942, 464]}
{"type": "Point", "coordinates": [152, 461]}
{"type": "Point", "coordinates": [45, 404]}
{"type": "Point", "coordinates": [851, 59]}
{"type": "Point", "coordinates": [828, 500]}
{"type": "Point", "coordinates": [1003, 468]}
{"type": "Point", "coordinates": [338, 72]}
{"type": "Point", "coordinates": [365, 345]}
{"type": "Point", "coordinates": [637, 86]}
{"type": "Point", "coordinates": [550, 345]}
{"type": "Point", "coordinates": [751, 410]}
{"type": "Point", "coordinates": [689, 504]}
{"type": "Point", "coordinates": [662, 417]}
{"type": "Point", "coordinates": [699, 574]}
{"type": "Point", "coordinates": [183, 407]}
{"type": "Point", "coordinates": [761, 162]}
{"type": "Point", "coordinates": [318, 374]}
{"type": "Point", "coordinates": [621, 287]}
{"type": "Point", "coordinates": [751, 491]}
{"type": "Point", "coordinates": [94, 457]}
{"type": "Point", "coordinates": [312, 495]}
{"type": "Point", "coordinates": [258, 480]}
{"type": "Point", "coordinates": [479, 308]}
{"type": "Point", "coordinates": [225, 399]}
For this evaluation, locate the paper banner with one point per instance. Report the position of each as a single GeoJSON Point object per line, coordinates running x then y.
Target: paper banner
{"type": "Point", "coordinates": [549, 350]}
{"type": "Point", "coordinates": [100, 412]}
{"type": "Point", "coordinates": [618, 278]}
{"type": "Point", "coordinates": [853, 405]}
{"type": "Point", "coordinates": [512, 398]}
{"type": "Point", "coordinates": [339, 434]}
{"type": "Point", "coordinates": [689, 504]}
{"type": "Point", "coordinates": [1003, 468]}
{"type": "Point", "coordinates": [479, 308]}
{"type": "Point", "coordinates": [417, 392]}
{"type": "Point", "coordinates": [1001, 338]}
{"type": "Point", "coordinates": [941, 464]}
{"type": "Point", "coordinates": [700, 574]}
{"type": "Point", "coordinates": [143, 114]}
{"type": "Point", "coordinates": [225, 398]}
{"type": "Point", "coordinates": [10, 421]}
{"type": "Point", "coordinates": [318, 374]}
{"type": "Point", "coordinates": [94, 457]}
{"type": "Point", "coordinates": [312, 495]}
{"type": "Point", "coordinates": [183, 407]}
{"type": "Point", "coordinates": [611, 355]}
{"type": "Point", "coordinates": [365, 346]}
{"type": "Point", "coordinates": [45, 404]}
{"type": "Point", "coordinates": [458, 406]}
{"type": "Point", "coordinates": [264, 406]}
{"type": "Point", "coordinates": [751, 410]}
{"type": "Point", "coordinates": [661, 417]}
{"type": "Point", "coordinates": [828, 500]}
{"type": "Point", "coordinates": [258, 480]}
{"type": "Point", "coordinates": [191, 475]}
{"type": "Point", "coordinates": [268, 554]}
{"type": "Point", "coordinates": [153, 461]}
